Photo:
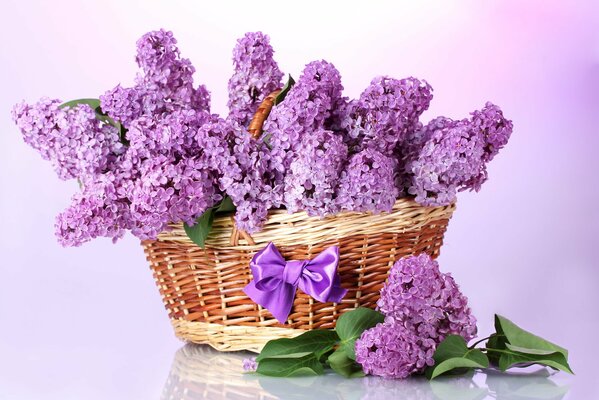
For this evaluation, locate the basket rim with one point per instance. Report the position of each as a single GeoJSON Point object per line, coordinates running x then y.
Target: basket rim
{"type": "Point", "coordinates": [297, 228]}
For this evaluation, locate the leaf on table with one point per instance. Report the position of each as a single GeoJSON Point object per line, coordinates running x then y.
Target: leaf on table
{"type": "Point", "coordinates": [453, 354]}
{"type": "Point", "coordinates": [351, 324]}
{"type": "Point", "coordinates": [296, 364]}
{"type": "Point", "coordinates": [519, 337]}
{"type": "Point", "coordinates": [343, 365]}
{"type": "Point", "coordinates": [518, 347]}
{"type": "Point", "coordinates": [509, 359]}
{"type": "Point", "coordinates": [315, 341]}
{"type": "Point", "coordinates": [199, 232]}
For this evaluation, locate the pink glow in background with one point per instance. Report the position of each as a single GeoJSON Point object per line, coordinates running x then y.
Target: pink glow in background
{"type": "Point", "coordinates": [88, 322]}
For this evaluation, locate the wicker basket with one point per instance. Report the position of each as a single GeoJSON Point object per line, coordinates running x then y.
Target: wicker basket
{"type": "Point", "coordinates": [202, 288]}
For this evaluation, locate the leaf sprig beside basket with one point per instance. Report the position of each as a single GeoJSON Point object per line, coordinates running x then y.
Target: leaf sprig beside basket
{"type": "Point", "coordinates": [314, 351]}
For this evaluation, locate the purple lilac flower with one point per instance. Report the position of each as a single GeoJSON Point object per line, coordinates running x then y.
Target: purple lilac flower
{"type": "Point", "coordinates": [494, 128]}
{"type": "Point", "coordinates": [242, 164]}
{"type": "Point", "coordinates": [171, 191]}
{"type": "Point", "coordinates": [166, 84]}
{"type": "Point", "coordinates": [255, 76]}
{"type": "Point", "coordinates": [170, 134]}
{"type": "Point", "coordinates": [164, 71]}
{"type": "Point", "coordinates": [124, 104]}
{"type": "Point", "coordinates": [385, 112]}
{"type": "Point", "coordinates": [312, 178]}
{"type": "Point", "coordinates": [392, 350]}
{"type": "Point", "coordinates": [368, 183]}
{"type": "Point", "coordinates": [307, 107]}
{"type": "Point", "coordinates": [97, 211]}
{"type": "Point", "coordinates": [250, 364]}
{"type": "Point", "coordinates": [447, 156]}
{"type": "Point", "coordinates": [421, 298]}
{"type": "Point", "coordinates": [450, 160]}
{"type": "Point", "coordinates": [71, 138]}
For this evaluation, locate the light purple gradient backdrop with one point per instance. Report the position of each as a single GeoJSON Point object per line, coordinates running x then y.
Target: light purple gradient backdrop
{"type": "Point", "coordinates": [89, 322]}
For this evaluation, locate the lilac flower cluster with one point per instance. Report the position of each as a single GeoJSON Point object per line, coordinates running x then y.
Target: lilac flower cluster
{"type": "Point", "coordinates": [312, 178]}
{"type": "Point", "coordinates": [391, 350]}
{"type": "Point", "coordinates": [320, 152]}
{"type": "Point", "coordinates": [385, 112]}
{"type": "Point", "coordinates": [368, 182]}
{"type": "Point", "coordinates": [72, 139]}
{"type": "Point", "coordinates": [256, 75]}
{"type": "Point", "coordinates": [421, 306]}
{"type": "Point", "coordinates": [165, 84]}
{"type": "Point", "coordinates": [452, 155]}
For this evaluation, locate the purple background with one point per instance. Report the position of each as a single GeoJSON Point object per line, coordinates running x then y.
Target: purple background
{"type": "Point", "coordinates": [88, 322]}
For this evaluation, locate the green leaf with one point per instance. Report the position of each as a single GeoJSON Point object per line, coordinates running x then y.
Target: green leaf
{"type": "Point", "coordinates": [266, 139]}
{"type": "Point", "coordinates": [453, 354]}
{"type": "Point", "coordinates": [512, 346]}
{"type": "Point", "coordinates": [496, 341]}
{"type": "Point", "coordinates": [511, 358]}
{"type": "Point", "coordinates": [281, 96]}
{"type": "Point", "coordinates": [519, 337]}
{"type": "Point", "coordinates": [343, 365]}
{"type": "Point", "coordinates": [199, 232]}
{"type": "Point", "coordinates": [529, 351]}
{"type": "Point", "coordinates": [297, 364]}
{"type": "Point", "coordinates": [315, 341]}
{"type": "Point", "coordinates": [93, 103]}
{"type": "Point", "coordinates": [100, 115]}
{"type": "Point", "coordinates": [351, 324]}
{"type": "Point", "coordinates": [226, 205]}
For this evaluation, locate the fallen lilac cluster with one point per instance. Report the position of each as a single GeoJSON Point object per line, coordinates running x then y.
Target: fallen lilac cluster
{"type": "Point", "coordinates": [421, 307]}
{"type": "Point", "coordinates": [166, 159]}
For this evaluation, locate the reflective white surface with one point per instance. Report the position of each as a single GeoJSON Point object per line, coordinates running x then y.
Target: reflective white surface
{"type": "Point", "coordinates": [198, 372]}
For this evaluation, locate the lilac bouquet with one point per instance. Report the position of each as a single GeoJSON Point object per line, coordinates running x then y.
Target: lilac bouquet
{"type": "Point", "coordinates": [152, 154]}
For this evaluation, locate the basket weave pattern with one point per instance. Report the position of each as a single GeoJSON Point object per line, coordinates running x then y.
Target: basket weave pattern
{"type": "Point", "coordinates": [202, 288]}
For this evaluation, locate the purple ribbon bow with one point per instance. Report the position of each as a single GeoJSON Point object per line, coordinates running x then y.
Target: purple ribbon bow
{"type": "Point", "coordinates": [276, 280]}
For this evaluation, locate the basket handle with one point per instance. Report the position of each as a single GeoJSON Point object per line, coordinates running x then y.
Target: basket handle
{"type": "Point", "coordinates": [255, 129]}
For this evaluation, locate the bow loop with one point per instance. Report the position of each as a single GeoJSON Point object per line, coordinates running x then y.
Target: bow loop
{"type": "Point", "coordinates": [276, 280]}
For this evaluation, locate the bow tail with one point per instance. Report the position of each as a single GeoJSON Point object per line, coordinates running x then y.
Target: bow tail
{"type": "Point", "coordinates": [278, 301]}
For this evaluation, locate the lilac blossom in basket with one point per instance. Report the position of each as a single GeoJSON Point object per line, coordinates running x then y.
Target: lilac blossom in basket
{"type": "Point", "coordinates": [312, 178]}
{"type": "Point", "coordinates": [320, 152]}
{"type": "Point", "coordinates": [165, 84]}
{"type": "Point", "coordinates": [368, 183]}
{"type": "Point", "coordinates": [71, 138]}
{"type": "Point", "coordinates": [255, 75]}
{"type": "Point", "coordinates": [451, 156]}
{"type": "Point", "coordinates": [308, 107]}
{"type": "Point", "coordinates": [385, 112]}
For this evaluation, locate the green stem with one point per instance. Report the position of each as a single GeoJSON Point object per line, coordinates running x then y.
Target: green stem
{"type": "Point", "coordinates": [478, 341]}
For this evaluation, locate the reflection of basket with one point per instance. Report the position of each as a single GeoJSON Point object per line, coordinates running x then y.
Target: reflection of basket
{"type": "Point", "coordinates": [200, 372]}
{"type": "Point", "coordinates": [202, 288]}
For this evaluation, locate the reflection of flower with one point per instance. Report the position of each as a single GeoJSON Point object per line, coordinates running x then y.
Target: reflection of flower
{"type": "Point", "coordinates": [250, 364]}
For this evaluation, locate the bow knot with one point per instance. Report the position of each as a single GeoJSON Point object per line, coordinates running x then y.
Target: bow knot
{"type": "Point", "coordinates": [276, 280]}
